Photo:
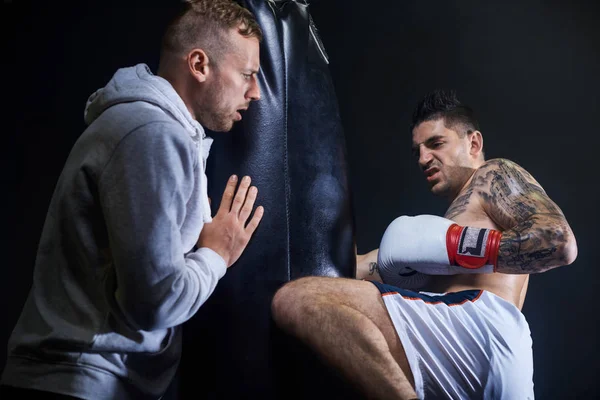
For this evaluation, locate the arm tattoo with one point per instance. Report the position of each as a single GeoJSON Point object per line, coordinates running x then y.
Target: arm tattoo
{"type": "Point", "coordinates": [530, 247]}
{"type": "Point", "coordinates": [373, 268]}
{"type": "Point", "coordinates": [535, 228]}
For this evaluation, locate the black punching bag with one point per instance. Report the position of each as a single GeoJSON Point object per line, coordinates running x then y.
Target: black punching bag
{"type": "Point", "coordinates": [291, 143]}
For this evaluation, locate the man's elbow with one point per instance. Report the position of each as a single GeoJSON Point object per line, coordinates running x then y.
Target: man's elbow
{"type": "Point", "coordinates": [565, 246]}
{"type": "Point", "coordinates": [145, 318]}
{"type": "Point", "coordinates": [145, 315]}
{"type": "Point", "coordinates": [569, 250]}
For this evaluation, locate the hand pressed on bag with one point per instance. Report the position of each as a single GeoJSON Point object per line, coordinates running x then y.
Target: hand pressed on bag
{"type": "Point", "coordinates": [230, 231]}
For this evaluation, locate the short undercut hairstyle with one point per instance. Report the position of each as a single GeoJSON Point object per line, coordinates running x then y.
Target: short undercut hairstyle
{"type": "Point", "coordinates": [204, 24]}
{"type": "Point", "coordinates": [444, 104]}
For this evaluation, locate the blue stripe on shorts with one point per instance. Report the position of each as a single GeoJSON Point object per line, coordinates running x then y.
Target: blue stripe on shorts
{"type": "Point", "coordinates": [450, 299]}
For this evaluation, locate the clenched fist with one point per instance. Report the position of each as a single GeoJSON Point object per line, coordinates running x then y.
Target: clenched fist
{"type": "Point", "coordinates": [230, 231]}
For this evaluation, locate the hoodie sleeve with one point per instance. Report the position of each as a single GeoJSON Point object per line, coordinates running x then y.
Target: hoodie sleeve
{"type": "Point", "coordinates": [144, 190]}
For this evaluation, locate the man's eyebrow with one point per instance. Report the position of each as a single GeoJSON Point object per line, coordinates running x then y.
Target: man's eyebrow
{"type": "Point", "coordinates": [426, 142]}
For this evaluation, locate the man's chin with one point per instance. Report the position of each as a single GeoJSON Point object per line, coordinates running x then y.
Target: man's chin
{"type": "Point", "coordinates": [226, 128]}
{"type": "Point", "coordinates": [437, 189]}
{"type": "Point", "coordinates": [221, 127]}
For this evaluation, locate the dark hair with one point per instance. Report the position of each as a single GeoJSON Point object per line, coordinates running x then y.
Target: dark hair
{"type": "Point", "coordinates": [204, 23]}
{"type": "Point", "coordinates": [445, 104]}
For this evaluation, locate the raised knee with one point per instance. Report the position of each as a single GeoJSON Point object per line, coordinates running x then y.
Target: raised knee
{"type": "Point", "coordinates": [284, 299]}
{"type": "Point", "coordinates": [286, 306]}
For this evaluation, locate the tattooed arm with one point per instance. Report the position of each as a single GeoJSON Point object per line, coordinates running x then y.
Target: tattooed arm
{"type": "Point", "coordinates": [536, 236]}
{"type": "Point", "coordinates": [366, 266]}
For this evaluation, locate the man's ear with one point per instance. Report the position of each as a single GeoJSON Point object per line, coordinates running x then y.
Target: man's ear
{"type": "Point", "coordinates": [475, 143]}
{"type": "Point", "coordinates": [198, 64]}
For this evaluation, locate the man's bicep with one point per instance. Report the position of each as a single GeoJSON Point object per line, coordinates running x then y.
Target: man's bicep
{"type": "Point", "coordinates": [536, 236]}
{"type": "Point", "coordinates": [511, 195]}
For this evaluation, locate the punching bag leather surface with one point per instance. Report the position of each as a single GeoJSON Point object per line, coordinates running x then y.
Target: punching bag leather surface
{"type": "Point", "coordinates": [291, 143]}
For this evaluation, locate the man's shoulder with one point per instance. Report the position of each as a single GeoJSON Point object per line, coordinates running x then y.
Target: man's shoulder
{"type": "Point", "coordinates": [497, 167]}
{"type": "Point", "coordinates": [498, 163]}
{"type": "Point", "coordinates": [137, 114]}
{"type": "Point", "coordinates": [501, 172]}
{"type": "Point", "coordinates": [138, 121]}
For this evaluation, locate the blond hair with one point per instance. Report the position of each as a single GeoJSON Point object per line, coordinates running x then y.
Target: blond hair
{"type": "Point", "coordinates": [205, 23]}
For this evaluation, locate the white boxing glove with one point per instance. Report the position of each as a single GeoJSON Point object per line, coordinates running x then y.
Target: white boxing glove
{"type": "Point", "coordinates": [435, 245]}
{"type": "Point", "coordinates": [399, 275]}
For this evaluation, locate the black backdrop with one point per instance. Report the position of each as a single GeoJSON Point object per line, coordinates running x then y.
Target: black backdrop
{"type": "Point", "coordinates": [530, 69]}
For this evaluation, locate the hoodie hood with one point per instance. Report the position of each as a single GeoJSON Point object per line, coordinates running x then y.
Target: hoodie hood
{"type": "Point", "coordinates": [138, 83]}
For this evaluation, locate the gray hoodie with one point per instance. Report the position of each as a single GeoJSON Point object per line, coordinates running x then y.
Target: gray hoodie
{"type": "Point", "coordinates": [116, 273]}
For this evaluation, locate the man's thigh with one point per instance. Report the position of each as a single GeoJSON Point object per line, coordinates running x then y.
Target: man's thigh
{"type": "Point", "coordinates": [362, 296]}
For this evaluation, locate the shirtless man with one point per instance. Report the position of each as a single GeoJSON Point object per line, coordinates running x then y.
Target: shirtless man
{"type": "Point", "coordinates": [451, 325]}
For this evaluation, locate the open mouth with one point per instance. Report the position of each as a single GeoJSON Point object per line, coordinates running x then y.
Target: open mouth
{"type": "Point", "coordinates": [431, 171]}
{"type": "Point", "coordinates": [239, 112]}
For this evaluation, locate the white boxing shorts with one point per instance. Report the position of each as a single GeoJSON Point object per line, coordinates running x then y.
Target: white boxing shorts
{"type": "Point", "coordinates": [463, 345]}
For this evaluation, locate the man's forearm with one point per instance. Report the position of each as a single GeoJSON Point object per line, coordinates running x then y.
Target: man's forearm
{"type": "Point", "coordinates": [540, 243]}
{"type": "Point", "coordinates": [366, 266]}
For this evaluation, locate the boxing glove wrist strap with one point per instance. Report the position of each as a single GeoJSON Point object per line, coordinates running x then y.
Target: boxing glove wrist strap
{"type": "Point", "coordinates": [472, 248]}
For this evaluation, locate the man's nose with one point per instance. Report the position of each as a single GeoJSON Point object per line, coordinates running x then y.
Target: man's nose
{"type": "Point", "coordinates": [425, 157]}
{"type": "Point", "coordinates": [254, 91]}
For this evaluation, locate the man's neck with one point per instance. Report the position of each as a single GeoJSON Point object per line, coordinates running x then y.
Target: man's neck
{"type": "Point", "coordinates": [170, 76]}
{"type": "Point", "coordinates": [466, 185]}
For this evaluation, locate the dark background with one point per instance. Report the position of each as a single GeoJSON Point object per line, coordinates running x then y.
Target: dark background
{"type": "Point", "coordinates": [530, 69]}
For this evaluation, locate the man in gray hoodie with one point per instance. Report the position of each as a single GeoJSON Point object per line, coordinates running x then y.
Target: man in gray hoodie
{"type": "Point", "coordinates": [129, 250]}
